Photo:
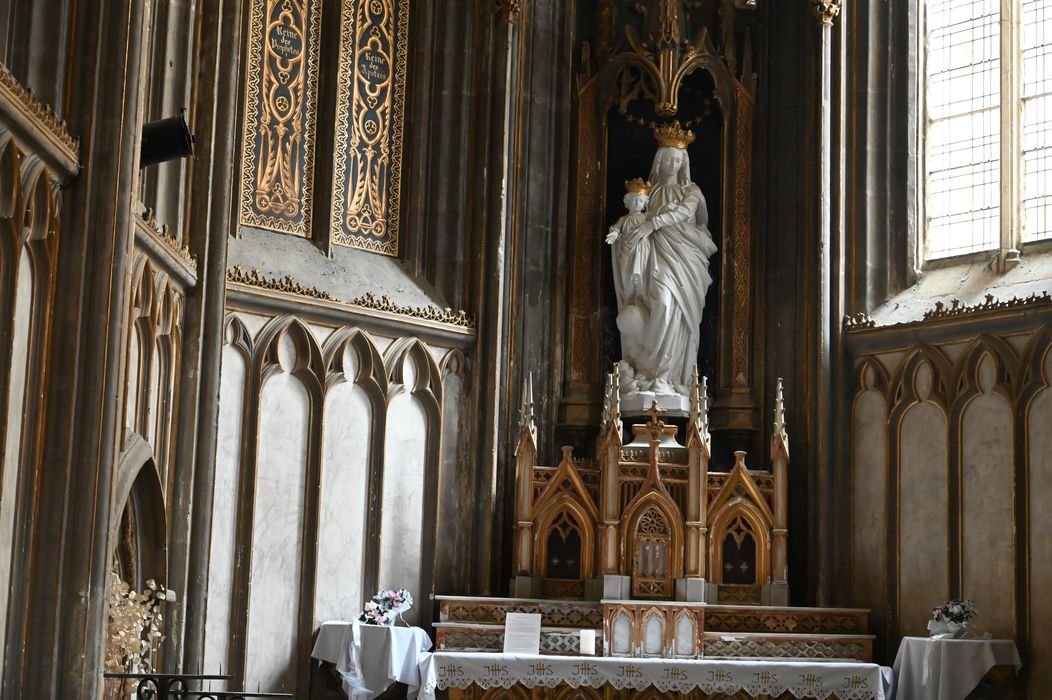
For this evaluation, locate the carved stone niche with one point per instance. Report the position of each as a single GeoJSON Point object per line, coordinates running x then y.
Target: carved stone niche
{"type": "Point", "coordinates": [659, 72]}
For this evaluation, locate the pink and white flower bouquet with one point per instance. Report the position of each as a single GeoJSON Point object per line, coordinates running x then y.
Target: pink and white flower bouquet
{"type": "Point", "coordinates": [951, 620]}
{"type": "Point", "coordinates": [385, 607]}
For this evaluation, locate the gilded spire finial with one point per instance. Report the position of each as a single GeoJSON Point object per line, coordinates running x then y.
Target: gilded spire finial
{"type": "Point", "coordinates": [526, 411]}
{"type": "Point", "coordinates": [697, 416]}
{"type": "Point", "coordinates": [779, 410]}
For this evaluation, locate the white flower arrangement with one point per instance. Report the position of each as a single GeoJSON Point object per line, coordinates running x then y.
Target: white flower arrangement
{"type": "Point", "coordinates": [951, 620]}
{"type": "Point", "coordinates": [955, 611]}
{"type": "Point", "coordinates": [384, 607]}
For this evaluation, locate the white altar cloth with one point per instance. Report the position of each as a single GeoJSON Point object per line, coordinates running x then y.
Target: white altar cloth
{"type": "Point", "coordinates": [948, 669]}
{"type": "Point", "coordinates": [370, 657]}
{"type": "Point", "coordinates": [804, 678]}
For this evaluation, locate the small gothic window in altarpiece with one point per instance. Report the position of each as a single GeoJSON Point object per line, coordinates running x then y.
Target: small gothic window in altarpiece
{"type": "Point", "coordinates": [652, 544]}
{"type": "Point", "coordinates": [564, 548]}
{"type": "Point", "coordinates": [631, 146]}
{"type": "Point", "coordinates": [739, 555]}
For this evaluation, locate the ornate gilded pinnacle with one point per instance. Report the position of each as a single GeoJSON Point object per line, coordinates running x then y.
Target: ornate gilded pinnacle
{"type": "Point", "coordinates": [526, 412]}
{"type": "Point", "coordinates": [699, 401]}
{"type": "Point", "coordinates": [779, 411]}
{"type": "Point", "coordinates": [606, 401]}
{"type": "Point", "coordinates": [612, 399]}
{"type": "Point", "coordinates": [673, 136]}
{"type": "Point", "coordinates": [827, 11]}
{"type": "Point", "coordinates": [638, 185]}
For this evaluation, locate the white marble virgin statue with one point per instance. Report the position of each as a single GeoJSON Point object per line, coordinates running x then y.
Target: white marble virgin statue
{"type": "Point", "coordinates": [661, 272]}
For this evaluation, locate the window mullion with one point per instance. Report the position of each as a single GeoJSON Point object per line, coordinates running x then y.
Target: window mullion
{"type": "Point", "coordinates": [1011, 131]}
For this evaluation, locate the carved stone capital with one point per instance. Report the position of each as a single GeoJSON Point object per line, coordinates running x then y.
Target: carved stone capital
{"type": "Point", "coordinates": [507, 10]}
{"type": "Point", "coordinates": [827, 11]}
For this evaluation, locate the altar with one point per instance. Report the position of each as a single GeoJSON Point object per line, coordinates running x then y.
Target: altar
{"type": "Point", "coordinates": [467, 676]}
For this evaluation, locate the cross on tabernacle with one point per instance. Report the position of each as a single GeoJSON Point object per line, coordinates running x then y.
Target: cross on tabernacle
{"type": "Point", "coordinates": [655, 426]}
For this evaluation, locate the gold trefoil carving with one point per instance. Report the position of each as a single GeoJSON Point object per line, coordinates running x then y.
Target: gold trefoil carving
{"type": "Point", "coordinates": [281, 94]}
{"type": "Point", "coordinates": [367, 168]}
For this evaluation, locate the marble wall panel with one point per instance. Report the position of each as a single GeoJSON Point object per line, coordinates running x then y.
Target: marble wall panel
{"type": "Point", "coordinates": [23, 307]}
{"type": "Point", "coordinates": [152, 392]}
{"type": "Point", "coordinates": [253, 323]}
{"type": "Point", "coordinates": [347, 444]}
{"type": "Point", "coordinates": [923, 515]}
{"type": "Point", "coordinates": [131, 402]}
{"type": "Point", "coordinates": [277, 533]}
{"type": "Point", "coordinates": [402, 521]}
{"type": "Point", "coordinates": [961, 528]}
{"type": "Point", "coordinates": [868, 502]}
{"type": "Point", "coordinates": [451, 550]}
{"type": "Point", "coordinates": [161, 399]}
{"type": "Point", "coordinates": [223, 547]}
{"type": "Point", "coordinates": [987, 484]}
{"type": "Point", "coordinates": [333, 444]}
{"type": "Point", "coordinates": [1039, 472]}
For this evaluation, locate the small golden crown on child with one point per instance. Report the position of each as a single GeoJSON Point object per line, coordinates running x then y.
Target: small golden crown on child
{"type": "Point", "coordinates": [638, 185]}
{"type": "Point", "coordinates": [673, 135]}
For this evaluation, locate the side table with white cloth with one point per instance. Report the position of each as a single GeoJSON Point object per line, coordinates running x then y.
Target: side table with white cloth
{"type": "Point", "coordinates": [370, 658]}
{"type": "Point", "coordinates": [948, 669]}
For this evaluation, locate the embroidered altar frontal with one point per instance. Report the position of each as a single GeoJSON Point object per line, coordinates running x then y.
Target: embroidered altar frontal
{"type": "Point", "coordinates": [478, 676]}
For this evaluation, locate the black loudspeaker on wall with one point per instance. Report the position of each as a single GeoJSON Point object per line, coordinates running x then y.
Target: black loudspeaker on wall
{"type": "Point", "coordinates": [164, 140]}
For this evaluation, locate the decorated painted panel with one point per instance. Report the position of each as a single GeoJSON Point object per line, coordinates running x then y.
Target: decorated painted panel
{"type": "Point", "coordinates": [277, 165]}
{"type": "Point", "coordinates": [367, 163]}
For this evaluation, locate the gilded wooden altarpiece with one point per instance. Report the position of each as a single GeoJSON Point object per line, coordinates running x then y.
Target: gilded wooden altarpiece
{"type": "Point", "coordinates": [281, 94]}
{"type": "Point", "coordinates": [370, 106]}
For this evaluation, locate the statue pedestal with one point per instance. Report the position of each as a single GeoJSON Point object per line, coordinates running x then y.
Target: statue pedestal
{"type": "Point", "coordinates": [617, 587]}
{"type": "Point", "coordinates": [695, 590]}
{"type": "Point", "coordinates": [637, 403]}
{"type": "Point", "coordinates": [525, 587]}
{"type": "Point", "coordinates": [776, 594]}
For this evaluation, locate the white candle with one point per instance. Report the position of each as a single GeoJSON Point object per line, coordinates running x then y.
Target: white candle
{"type": "Point", "coordinates": [588, 642]}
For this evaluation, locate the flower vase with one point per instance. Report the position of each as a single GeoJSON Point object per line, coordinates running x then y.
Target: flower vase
{"type": "Point", "coordinates": [945, 629]}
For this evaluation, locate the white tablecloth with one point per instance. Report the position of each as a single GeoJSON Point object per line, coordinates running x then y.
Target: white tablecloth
{"type": "Point", "coordinates": [948, 669]}
{"type": "Point", "coordinates": [804, 679]}
{"type": "Point", "coordinates": [370, 658]}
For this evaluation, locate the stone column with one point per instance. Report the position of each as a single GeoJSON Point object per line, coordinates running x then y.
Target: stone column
{"type": "Point", "coordinates": [66, 605]}
{"type": "Point", "coordinates": [827, 300]}
{"type": "Point", "coordinates": [213, 179]}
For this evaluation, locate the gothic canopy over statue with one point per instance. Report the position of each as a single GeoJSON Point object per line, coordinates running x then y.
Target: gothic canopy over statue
{"type": "Point", "coordinates": [661, 272]}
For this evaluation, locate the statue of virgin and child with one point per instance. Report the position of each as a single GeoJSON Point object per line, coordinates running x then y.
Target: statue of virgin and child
{"type": "Point", "coordinates": [661, 252]}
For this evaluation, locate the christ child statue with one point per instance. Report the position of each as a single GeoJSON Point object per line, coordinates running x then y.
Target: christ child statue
{"type": "Point", "coordinates": [630, 248]}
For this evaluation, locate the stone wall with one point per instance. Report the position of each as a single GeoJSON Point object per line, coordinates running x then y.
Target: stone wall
{"type": "Point", "coordinates": [339, 453]}
{"type": "Point", "coordinates": [948, 456]}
